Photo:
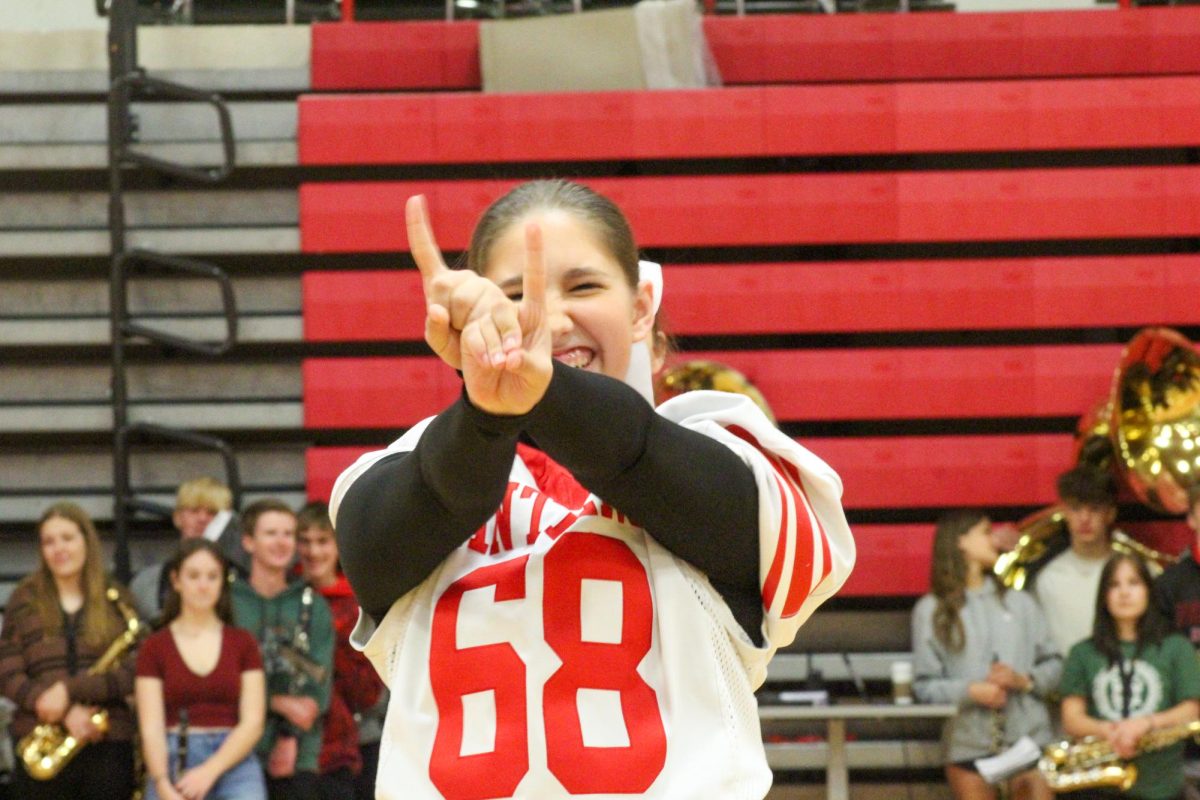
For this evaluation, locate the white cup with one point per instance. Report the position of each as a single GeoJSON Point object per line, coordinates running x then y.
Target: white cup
{"type": "Point", "coordinates": [902, 678]}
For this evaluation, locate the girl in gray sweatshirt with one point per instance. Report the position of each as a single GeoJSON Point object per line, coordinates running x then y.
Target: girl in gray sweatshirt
{"type": "Point", "coordinates": [986, 649]}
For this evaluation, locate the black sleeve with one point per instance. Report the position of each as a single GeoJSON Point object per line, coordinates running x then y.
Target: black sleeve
{"type": "Point", "coordinates": [403, 516]}
{"type": "Point", "coordinates": [694, 495]}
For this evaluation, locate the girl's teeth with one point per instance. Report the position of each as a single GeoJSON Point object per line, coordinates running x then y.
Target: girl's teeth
{"type": "Point", "coordinates": [576, 358]}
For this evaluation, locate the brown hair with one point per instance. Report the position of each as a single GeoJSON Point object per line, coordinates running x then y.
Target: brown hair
{"type": "Point", "coordinates": [948, 576]}
{"type": "Point", "coordinates": [600, 214]}
{"type": "Point", "coordinates": [173, 604]}
{"type": "Point", "coordinates": [1087, 485]}
{"type": "Point", "coordinates": [314, 515]}
{"type": "Point", "coordinates": [597, 211]}
{"type": "Point", "coordinates": [100, 623]}
{"type": "Point", "coordinates": [255, 510]}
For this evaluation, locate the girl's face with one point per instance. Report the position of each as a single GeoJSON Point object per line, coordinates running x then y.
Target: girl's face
{"type": "Point", "coordinates": [199, 581]}
{"type": "Point", "coordinates": [318, 555]}
{"type": "Point", "coordinates": [1126, 595]}
{"type": "Point", "coordinates": [594, 317]}
{"type": "Point", "coordinates": [976, 544]}
{"type": "Point", "coordinates": [64, 547]}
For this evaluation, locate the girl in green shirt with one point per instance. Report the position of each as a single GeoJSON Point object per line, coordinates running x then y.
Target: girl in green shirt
{"type": "Point", "coordinates": [1133, 676]}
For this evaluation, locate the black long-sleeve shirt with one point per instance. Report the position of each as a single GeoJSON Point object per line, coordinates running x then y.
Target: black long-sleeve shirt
{"type": "Point", "coordinates": [403, 516]}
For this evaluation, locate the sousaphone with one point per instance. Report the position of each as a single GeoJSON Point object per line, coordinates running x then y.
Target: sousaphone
{"type": "Point", "coordinates": [1147, 431]}
{"type": "Point", "coordinates": [699, 374]}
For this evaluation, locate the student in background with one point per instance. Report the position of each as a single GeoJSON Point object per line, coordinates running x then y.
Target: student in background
{"type": "Point", "coordinates": [201, 694]}
{"type": "Point", "coordinates": [58, 623]}
{"type": "Point", "coordinates": [1176, 594]}
{"type": "Point", "coordinates": [197, 503]}
{"type": "Point", "coordinates": [356, 685]}
{"type": "Point", "coordinates": [1131, 677]}
{"type": "Point", "coordinates": [292, 624]}
{"type": "Point", "coordinates": [987, 650]}
{"type": "Point", "coordinates": [1066, 587]}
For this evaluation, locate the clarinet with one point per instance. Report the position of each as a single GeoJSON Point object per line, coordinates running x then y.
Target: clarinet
{"type": "Point", "coordinates": [999, 724]}
{"type": "Point", "coordinates": [181, 755]}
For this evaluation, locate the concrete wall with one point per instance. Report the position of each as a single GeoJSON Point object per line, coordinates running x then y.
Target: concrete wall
{"type": "Point", "coordinates": [49, 15]}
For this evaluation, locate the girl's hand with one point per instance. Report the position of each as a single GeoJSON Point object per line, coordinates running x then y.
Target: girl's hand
{"type": "Point", "coordinates": [281, 762]}
{"type": "Point", "coordinates": [987, 694]}
{"type": "Point", "coordinates": [299, 710]}
{"type": "Point", "coordinates": [52, 704]}
{"type": "Point", "coordinates": [1126, 734]}
{"type": "Point", "coordinates": [78, 722]}
{"type": "Point", "coordinates": [196, 783]}
{"type": "Point", "coordinates": [1008, 678]}
{"type": "Point", "coordinates": [166, 790]}
{"type": "Point", "coordinates": [501, 346]}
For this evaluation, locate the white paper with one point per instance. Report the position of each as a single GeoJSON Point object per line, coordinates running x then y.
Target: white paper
{"type": "Point", "coordinates": [1018, 758]}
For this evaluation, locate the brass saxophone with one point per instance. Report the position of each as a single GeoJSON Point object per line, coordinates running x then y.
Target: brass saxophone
{"type": "Point", "coordinates": [1090, 763]}
{"type": "Point", "coordinates": [49, 747]}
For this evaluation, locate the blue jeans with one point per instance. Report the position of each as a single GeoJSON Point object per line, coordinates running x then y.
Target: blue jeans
{"type": "Point", "coordinates": [243, 781]}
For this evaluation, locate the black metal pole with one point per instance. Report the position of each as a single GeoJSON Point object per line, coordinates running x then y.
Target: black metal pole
{"type": "Point", "coordinates": [122, 60]}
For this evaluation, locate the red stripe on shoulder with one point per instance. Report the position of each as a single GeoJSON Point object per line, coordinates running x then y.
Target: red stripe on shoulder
{"type": "Point", "coordinates": [801, 579]}
{"type": "Point", "coordinates": [775, 572]}
{"type": "Point", "coordinates": [826, 566]}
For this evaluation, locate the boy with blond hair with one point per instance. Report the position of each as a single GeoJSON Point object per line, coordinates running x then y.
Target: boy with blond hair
{"type": "Point", "coordinates": [197, 504]}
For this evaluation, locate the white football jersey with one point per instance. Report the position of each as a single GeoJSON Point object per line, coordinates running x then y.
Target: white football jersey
{"type": "Point", "coordinates": [562, 652]}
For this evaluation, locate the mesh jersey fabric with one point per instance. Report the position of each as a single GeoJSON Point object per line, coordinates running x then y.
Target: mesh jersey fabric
{"type": "Point", "coordinates": [562, 651]}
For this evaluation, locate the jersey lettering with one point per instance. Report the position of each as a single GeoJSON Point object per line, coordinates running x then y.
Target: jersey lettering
{"type": "Point", "coordinates": [598, 671]}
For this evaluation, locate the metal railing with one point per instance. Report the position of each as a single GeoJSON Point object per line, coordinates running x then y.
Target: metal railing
{"type": "Point", "coordinates": [128, 83]}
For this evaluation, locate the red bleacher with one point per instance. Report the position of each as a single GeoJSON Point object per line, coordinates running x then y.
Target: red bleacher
{"type": "Point", "coordinates": [932, 85]}
{"type": "Point", "coordinates": [771, 48]}
{"type": "Point", "coordinates": [747, 210]}
{"type": "Point", "coordinates": [839, 297]}
{"type": "Point", "coordinates": [803, 385]}
{"type": "Point", "coordinates": [893, 560]}
{"type": "Point", "coordinates": [945, 117]}
{"type": "Point", "coordinates": [884, 472]}
{"type": "Point", "coordinates": [395, 55]}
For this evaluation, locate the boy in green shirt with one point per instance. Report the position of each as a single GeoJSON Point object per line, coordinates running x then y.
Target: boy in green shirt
{"type": "Point", "coordinates": [294, 628]}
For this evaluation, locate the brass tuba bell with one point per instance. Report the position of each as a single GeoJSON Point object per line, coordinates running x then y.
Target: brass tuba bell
{"type": "Point", "coordinates": [1156, 418]}
{"type": "Point", "coordinates": [1147, 430]}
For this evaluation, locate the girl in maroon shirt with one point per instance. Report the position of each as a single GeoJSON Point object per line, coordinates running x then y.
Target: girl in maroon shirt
{"type": "Point", "coordinates": [201, 694]}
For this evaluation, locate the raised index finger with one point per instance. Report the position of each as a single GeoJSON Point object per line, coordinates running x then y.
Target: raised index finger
{"type": "Point", "coordinates": [533, 282]}
{"type": "Point", "coordinates": [424, 247]}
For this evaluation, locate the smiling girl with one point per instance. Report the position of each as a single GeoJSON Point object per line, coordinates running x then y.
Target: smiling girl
{"type": "Point", "coordinates": [567, 592]}
{"type": "Point", "coordinates": [59, 622]}
{"type": "Point", "coordinates": [200, 688]}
